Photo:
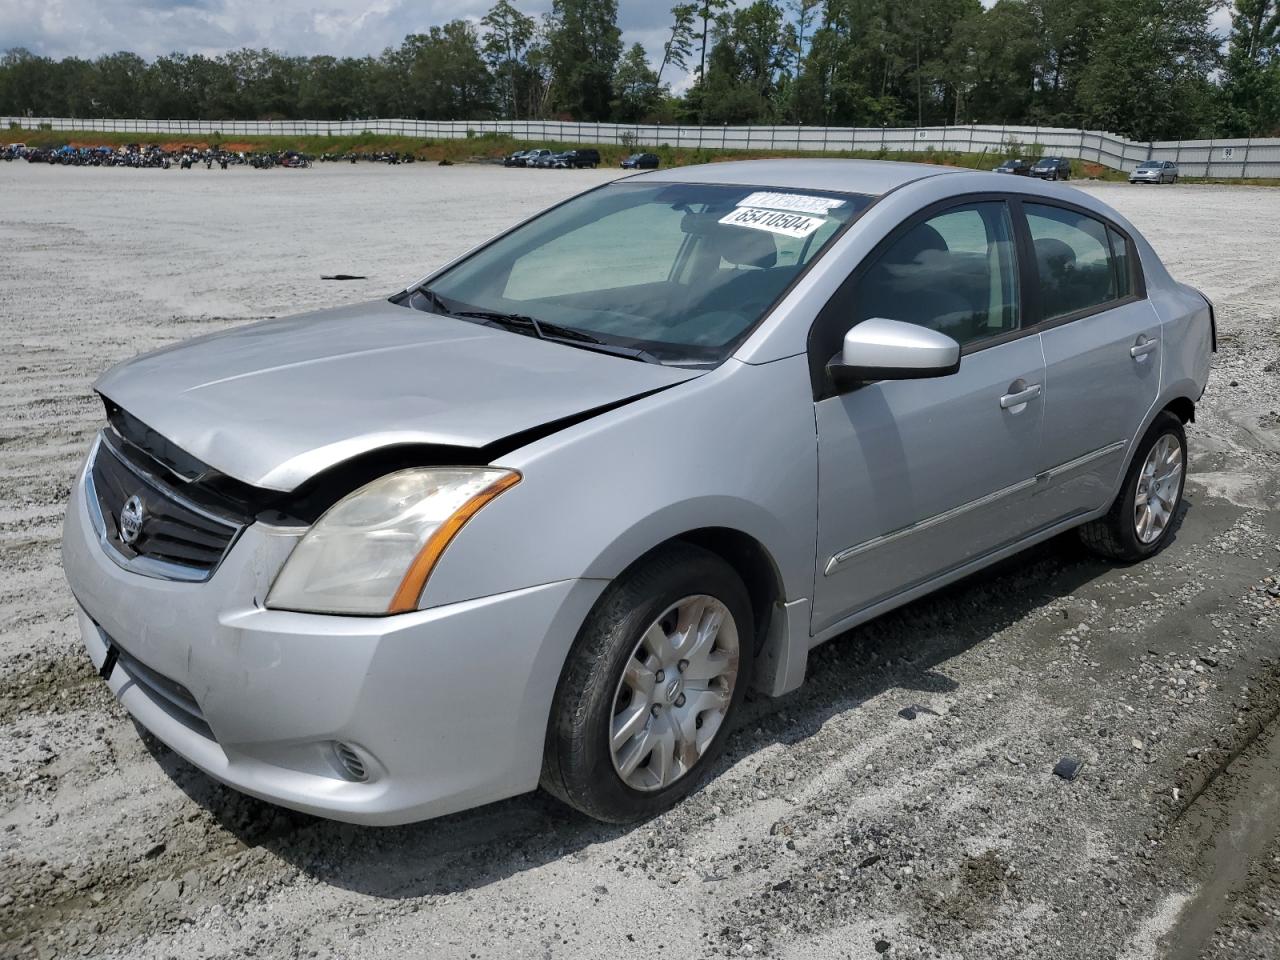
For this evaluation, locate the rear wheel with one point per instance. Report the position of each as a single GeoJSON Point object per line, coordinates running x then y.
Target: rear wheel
{"type": "Point", "coordinates": [1141, 521]}
{"type": "Point", "coordinates": [650, 687]}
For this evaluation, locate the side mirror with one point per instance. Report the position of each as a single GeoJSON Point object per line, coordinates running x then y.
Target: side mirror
{"type": "Point", "coordinates": [880, 349]}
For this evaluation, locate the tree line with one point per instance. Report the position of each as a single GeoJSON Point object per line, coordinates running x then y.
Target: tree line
{"type": "Point", "coordinates": [1147, 69]}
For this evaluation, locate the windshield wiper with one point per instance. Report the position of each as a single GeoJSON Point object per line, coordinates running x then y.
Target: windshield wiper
{"type": "Point", "coordinates": [556, 333]}
{"type": "Point", "coordinates": [520, 321]}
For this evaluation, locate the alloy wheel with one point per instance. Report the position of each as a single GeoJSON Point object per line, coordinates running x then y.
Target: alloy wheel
{"type": "Point", "coordinates": [1158, 486]}
{"type": "Point", "coordinates": [674, 693]}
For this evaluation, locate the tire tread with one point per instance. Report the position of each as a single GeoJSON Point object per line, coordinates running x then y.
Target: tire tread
{"type": "Point", "coordinates": [569, 770]}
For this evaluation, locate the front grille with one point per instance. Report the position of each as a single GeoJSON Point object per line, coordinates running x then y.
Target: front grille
{"type": "Point", "coordinates": [175, 539]}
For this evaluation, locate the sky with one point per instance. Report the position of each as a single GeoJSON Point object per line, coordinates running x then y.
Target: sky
{"type": "Point", "coordinates": [87, 28]}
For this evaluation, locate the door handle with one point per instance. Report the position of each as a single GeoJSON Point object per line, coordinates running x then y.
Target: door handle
{"type": "Point", "coordinates": [1020, 397]}
{"type": "Point", "coordinates": [1143, 347]}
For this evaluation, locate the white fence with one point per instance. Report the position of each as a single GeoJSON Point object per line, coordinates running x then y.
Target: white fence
{"type": "Point", "coordinates": [1249, 158]}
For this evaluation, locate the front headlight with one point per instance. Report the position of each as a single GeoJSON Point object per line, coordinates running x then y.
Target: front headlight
{"type": "Point", "coordinates": [372, 551]}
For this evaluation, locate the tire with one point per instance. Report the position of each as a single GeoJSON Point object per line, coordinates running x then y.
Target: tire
{"type": "Point", "coordinates": [596, 700]}
{"type": "Point", "coordinates": [1120, 535]}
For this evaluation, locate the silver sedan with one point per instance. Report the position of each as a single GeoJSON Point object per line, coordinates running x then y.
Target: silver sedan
{"type": "Point", "coordinates": [1155, 171]}
{"type": "Point", "coordinates": [544, 516]}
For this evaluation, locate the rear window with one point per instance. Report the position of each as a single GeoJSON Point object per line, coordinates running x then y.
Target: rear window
{"type": "Point", "coordinates": [1079, 263]}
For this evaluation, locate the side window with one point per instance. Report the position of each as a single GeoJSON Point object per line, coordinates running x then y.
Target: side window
{"type": "Point", "coordinates": [1075, 260]}
{"type": "Point", "coordinates": [955, 273]}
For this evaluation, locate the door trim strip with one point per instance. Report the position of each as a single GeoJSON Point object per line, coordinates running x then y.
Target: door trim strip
{"type": "Point", "coordinates": [844, 556]}
{"type": "Point", "coordinates": [1054, 472]}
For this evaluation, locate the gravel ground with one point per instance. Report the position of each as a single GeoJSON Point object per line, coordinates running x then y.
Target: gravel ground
{"type": "Point", "coordinates": [834, 828]}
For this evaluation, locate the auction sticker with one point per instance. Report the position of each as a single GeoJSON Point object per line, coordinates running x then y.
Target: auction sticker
{"type": "Point", "coordinates": [774, 221]}
{"type": "Point", "coordinates": [798, 202]}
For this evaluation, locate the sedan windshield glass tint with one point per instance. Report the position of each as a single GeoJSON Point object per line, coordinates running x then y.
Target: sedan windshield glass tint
{"type": "Point", "coordinates": [682, 272]}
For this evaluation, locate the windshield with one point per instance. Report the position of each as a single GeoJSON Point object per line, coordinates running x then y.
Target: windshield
{"type": "Point", "coordinates": [678, 273]}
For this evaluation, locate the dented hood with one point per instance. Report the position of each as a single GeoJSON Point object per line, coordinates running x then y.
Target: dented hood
{"type": "Point", "coordinates": [274, 403]}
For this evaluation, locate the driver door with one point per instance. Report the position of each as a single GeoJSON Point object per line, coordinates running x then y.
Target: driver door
{"type": "Point", "coordinates": [920, 477]}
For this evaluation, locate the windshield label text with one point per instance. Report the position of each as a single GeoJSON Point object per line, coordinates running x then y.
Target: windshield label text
{"type": "Point", "coordinates": [799, 202]}
{"type": "Point", "coordinates": [774, 221]}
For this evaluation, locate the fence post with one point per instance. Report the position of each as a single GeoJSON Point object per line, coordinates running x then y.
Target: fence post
{"type": "Point", "coordinates": [1244, 164]}
{"type": "Point", "coordinates": [1208, 160]}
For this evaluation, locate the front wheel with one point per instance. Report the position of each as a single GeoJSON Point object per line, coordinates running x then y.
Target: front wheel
{"type": "Point", "coordinates": [650, 687]}
{"type": "Point", "coordinates": [1141, 521]}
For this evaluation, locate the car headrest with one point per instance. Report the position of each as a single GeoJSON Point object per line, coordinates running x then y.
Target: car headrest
{"type": "Point", "coordinates": [741, 246]}
{"type": "Point", "coordinates": [918, 241]}
{"type": "Point", "coordinates": [1054, 255]}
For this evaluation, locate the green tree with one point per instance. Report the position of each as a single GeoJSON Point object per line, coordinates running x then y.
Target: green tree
{"type": "Point", "coordinates": [743, 70]}
{"type": "Point", "coordinates": [118, 84]}
{"type": "Point", "coordinates": [635, 87]}
{"type": "Point", "coordinates": [584, 44]}
{"type": "Point", "coordinates": [679, 45]}
{"type": "Point", "coordinates": [448, 79]}
{"type": "Point", "coordinates": [710, 12]}
{"type": "Point", "coordinates": [508, 34]}
{"type": "Point", "coordinates": [1251, 93]}
{"type": "Point", "coordinates": [1147, 75]}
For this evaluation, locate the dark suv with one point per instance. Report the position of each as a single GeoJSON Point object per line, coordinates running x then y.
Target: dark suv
{"type": "Point", "coordinates": [589, 157]}
{"type": "Point", "coordinates": [1052, 168]}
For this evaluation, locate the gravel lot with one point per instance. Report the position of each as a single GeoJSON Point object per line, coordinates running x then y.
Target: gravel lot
{"type": "Point", "coordinates": [835, 828]}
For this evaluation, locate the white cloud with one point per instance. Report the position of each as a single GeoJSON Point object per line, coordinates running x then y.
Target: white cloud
{"type": "Point", "coordinates": [88, 28]}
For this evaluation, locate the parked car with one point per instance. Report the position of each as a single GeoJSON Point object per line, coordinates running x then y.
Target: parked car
{"type": "Point", "coordinates": [1019, 168]}
{"type": "Point", "coordinates": [515, 159]}
{"type": "Point", "coordinates": [400, 558]}
{"type": "Point", "coordinates": [534, 157]}
{"type": "Point", "coordinates": [1155, 171]}
{"type": "Point", "coordinates": [1052, 168]}
{"type": "Point", "coordinates": [560, 159]}
{"type": "Point", "coordinates": [641, 161]}
{"type": "Point", "coordinates": [578, 159]}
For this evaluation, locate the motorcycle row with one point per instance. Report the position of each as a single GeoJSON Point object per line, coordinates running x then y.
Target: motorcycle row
{"type": "Point", "coordinates": [152, 156]}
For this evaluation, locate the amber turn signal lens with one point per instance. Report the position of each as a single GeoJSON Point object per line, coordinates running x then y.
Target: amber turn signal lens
{"type": "Point", "coordinates": [410, 589]}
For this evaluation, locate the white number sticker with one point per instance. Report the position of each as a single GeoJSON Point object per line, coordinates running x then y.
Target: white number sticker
{"type": "Point", "coordinates": [774, 221]}
{"type": "Point", "coordinates": [801, 202]}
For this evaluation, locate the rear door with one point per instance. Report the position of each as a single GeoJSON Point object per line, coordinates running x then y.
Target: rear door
{"type": "Point", "coordinates": [919, 477]}
{"type": "Point", "coordinates": [1102, 349]}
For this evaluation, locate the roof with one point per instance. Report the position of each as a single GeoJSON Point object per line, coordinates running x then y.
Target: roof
{"type": "Point", "coordinates": [870, 177]}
